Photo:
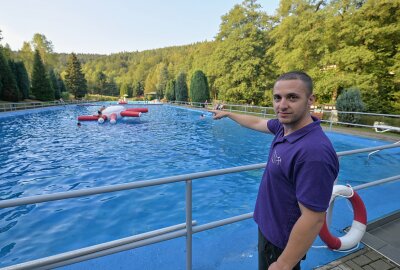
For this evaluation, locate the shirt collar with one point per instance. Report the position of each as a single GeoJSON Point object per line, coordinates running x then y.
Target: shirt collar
{"type": "Point", "coordinates": [293, 137]}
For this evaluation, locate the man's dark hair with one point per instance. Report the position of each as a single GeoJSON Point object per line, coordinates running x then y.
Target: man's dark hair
{"type": "Point", "coordinates": [298, 75]}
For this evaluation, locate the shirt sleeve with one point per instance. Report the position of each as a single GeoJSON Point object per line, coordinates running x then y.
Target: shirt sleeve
{"type": "Point", "coordinates": [314, 184]}
{"type": "Point", "coordinates": [273, 125]}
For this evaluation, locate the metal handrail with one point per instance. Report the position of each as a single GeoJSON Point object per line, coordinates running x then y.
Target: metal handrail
{"type": "Point", "coordinates": [155, 236]}
{"type": "Point", "coordinates": [5, 107]}
{"type": "Point", "coordinates": [107, 248]}
{"type": "Point", "coordinates": [263, 112]}
{"type": "Point", "coordinates": [199, 104]}
{"type": "Point", "coordinates": [157, 181]}
{"type": "Point", "coordinates": [126, 186]}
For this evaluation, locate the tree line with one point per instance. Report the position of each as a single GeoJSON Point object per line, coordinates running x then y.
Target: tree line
{"type": "Point", "coordinates": [30, 74]}
{"type": "Point", "coordinates": [342, 44]}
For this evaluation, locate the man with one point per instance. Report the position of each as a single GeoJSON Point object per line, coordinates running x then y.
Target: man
{"type": "Point", "coordinates": [297, 184]}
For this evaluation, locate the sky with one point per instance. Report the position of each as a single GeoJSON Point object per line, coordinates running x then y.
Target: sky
{"type": "Point", "coordinates": [111, 26]}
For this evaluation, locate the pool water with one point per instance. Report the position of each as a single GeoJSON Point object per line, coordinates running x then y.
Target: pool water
{"type": "Point", "coordinates": [46, 152]}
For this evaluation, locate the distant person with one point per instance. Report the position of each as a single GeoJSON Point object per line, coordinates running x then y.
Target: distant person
{"type": "Point", "coordinates": [202, 116]}
{"type": "Point", "coordinates": [219, 106]}
{"type": "Point", "coordinates": [297, 183]}
{"type": "Point", "coordinates": [79, 124]}
{"type": "Point", "coordinates": [100, 111]}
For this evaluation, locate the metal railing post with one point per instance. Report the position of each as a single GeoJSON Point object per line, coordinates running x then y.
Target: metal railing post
{"type": "Point", "coordinates": [189, 225]}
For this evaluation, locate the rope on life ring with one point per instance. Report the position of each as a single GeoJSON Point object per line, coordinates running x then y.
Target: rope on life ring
{"type": "Point", "coordinates": [358, 227]}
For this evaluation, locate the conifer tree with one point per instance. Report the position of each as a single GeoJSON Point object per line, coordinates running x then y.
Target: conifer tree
{"type": "Point", "coordinates": [170, 90]}
{"type": "Point", "coordinates": [162, 80]}
{"type": "Point", "coordinates": [54, 84]}
{"type": "Point", "coordinates": [138, 89]}
{"type": "Point", "coordinates": [111, 88]}
{"type": "Point", "coordinates": [74, 79]}
{"type": "Point", "coordinates": [1, 85]}
{"type": "Point", "coordinates": [199, 90]}
{"type": "Point", "coordinates": [26, 56]}
{"type": "Point", "coordinates": [45, 48]}
{"type": "Point", "coordinates": [15, 95]}
{"type": "Point", "coordinates": [8, 85]}
{"type": "Point", "coordinates": [101, 83]}
{"type": "Point", "coordinates": [181, 89]}
{"type": "Point", "coordinates": [41, 87]}
{"type": "Point", "coordinates": [150, 84]}
{"type": "Point", "coordinates": [22, 78]}
{"type": "Point", "coordinates": [124, 90]}
{"type": "Point", "coordinates": [61, 84]}
{"type": "Point", "coordinates": [130, 91]}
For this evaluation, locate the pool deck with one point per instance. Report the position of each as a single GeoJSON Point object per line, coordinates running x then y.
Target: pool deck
{"type": "Point", "coordinates": [382, 250]}
{"type": "Point", "coordinates": [381, 136]}
{"type": "Point", "coordinates": [364, 259]}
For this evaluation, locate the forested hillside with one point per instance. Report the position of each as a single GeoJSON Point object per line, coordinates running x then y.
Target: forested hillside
{"type": "Point", "coordinates": [342, 44]}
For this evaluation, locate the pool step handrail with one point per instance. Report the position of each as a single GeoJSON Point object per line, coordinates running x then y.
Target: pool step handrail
{"type": "Point", "coordinates": [376, 151]}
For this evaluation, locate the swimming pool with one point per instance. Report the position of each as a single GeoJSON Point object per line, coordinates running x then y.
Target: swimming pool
{"type": "Point", "coordinates": [45, 152]}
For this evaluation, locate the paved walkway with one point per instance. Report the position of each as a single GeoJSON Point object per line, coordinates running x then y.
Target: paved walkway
{"type": "Point", "coordinates": [364, 259]}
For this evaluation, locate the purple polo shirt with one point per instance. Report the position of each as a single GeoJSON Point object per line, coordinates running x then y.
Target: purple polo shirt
{"type": "Point", "coordinates": [302, 167]}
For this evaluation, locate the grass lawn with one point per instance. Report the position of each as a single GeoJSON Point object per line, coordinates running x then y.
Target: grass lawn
{"type": "Point", "coordinates": [364, 131]}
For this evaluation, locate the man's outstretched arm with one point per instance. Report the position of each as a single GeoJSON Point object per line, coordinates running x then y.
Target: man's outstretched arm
{"type": "Point", "coordinates": [248, 121]}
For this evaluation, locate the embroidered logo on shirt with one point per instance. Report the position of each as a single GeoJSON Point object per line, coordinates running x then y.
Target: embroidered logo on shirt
{"type": "Point", "coordinates": [276, 159]}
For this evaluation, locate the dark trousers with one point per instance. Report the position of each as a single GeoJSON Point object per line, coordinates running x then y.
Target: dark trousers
{"type": "Point", "coordinates": [268, 253]}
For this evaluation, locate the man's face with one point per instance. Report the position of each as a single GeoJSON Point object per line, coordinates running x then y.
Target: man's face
{"type": "Point", "coordinates": [291, 101]}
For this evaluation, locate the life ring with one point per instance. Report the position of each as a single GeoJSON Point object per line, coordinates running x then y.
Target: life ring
{"type": "Point", "coordinates": [358, 227]}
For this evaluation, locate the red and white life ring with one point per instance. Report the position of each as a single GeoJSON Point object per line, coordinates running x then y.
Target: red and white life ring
{"type": "Point", "coordinates": [358, 227]}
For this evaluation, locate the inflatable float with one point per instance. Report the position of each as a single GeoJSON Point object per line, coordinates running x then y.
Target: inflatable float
{"type": "Point", "coordinates": [113, 113]}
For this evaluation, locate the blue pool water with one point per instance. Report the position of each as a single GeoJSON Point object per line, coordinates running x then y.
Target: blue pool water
{"type": "Point", "coordinates": [45, 152]}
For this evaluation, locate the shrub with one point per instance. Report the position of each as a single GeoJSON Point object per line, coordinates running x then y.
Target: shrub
{"type": "Point", "coordinates": [199, 91]}
{"type": "Point", "coordinates": [350, 101]}
{"type": "Point", "coordinates": [65, 95]}
{"type": "Point", "coordinates": [181, 90]}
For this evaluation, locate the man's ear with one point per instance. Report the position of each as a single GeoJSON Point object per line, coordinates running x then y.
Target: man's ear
{"type": "Point", "coordinates": [311, 100]}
